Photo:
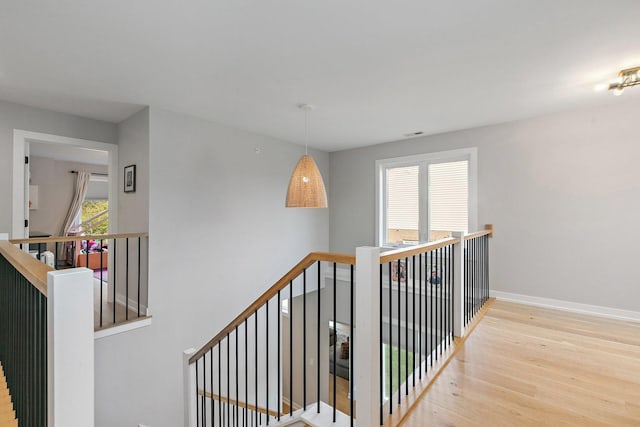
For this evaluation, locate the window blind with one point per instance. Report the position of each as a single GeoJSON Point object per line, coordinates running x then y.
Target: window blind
{"type": "Point", "coordinates": [448, 196]}
{"type": "Point", "coordinates": [403, 204]}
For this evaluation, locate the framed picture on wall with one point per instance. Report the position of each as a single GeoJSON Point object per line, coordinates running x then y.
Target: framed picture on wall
{"type": "Point", "coordinates": [130, 179]}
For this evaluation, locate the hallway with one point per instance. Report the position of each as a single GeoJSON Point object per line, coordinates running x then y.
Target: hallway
{"type": "Point", "coordinates": [530, 366]}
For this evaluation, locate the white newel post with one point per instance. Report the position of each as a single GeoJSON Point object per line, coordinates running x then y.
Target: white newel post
{"type": "Point", "coordinates": [367, 344]}
{"type": "Point", "coordinates": [458, 283]}
{"type": "Point", "coordinates": [189, 381]}
{"type": "Point", "coordinates": [70, 352]}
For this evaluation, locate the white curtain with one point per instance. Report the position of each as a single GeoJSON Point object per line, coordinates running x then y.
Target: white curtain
{"type": "Point", "coordinates": [82, 184]}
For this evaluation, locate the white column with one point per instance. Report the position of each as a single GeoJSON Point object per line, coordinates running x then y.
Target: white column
{"type": "Point", "coordinates": [189, 386]}
{"type": "Point", "coordinates": [70, 341]}
{"type": "Point", "coordinates": [367, 327]}
{"type": "Point", "coordinates": [458, 286]}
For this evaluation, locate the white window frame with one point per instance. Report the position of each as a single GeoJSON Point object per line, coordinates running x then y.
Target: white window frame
{"type": "Point", "coordinates": [422, 160]}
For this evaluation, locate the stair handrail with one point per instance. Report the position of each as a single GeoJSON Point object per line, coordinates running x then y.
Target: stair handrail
{"type": "Point", "coordinates": [401, 253]}
{"type": "Point", "coordinates": [32, 269]}
{"type": "Point", "coordinates": [55, 239]}
{"type": "Point", "coordinates": [281, 284]}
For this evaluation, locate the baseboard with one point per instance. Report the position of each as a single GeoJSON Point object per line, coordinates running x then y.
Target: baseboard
{"type": "Point", "coordinates": [573, 307]}
{"type": "Point", "coordinates": [133, 304]}
{"type": "Point", "coordinates": [286, 401]}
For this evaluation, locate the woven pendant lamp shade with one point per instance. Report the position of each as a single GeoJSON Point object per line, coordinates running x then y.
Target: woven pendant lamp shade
{"type": "Point", "coordinates": [306, 186]}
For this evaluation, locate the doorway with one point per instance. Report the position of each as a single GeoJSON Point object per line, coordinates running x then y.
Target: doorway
{"type": "Point", "coordinates": [27, 144]}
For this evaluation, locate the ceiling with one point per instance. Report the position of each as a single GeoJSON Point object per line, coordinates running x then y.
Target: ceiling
{"type": "Point", "coordinates": [374, 69]}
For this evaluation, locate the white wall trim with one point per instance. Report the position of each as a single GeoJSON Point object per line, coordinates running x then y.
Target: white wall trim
{"type": "Point", "coordinates": [125, 327]}
{"type": "Point", "coordinates": [573, 307]}
{"type": "Point", "coordinates": [21, 138]}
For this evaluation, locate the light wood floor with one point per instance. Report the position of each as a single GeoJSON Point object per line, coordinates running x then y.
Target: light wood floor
{"type": "Point", "coordinates": [7, 414]}
{"type": "Point", "coordinates": [528, 366]}
{"type": "Point", "coordinates": [107, 309]}
{"type": "Point", "coordinates": [343, 404]}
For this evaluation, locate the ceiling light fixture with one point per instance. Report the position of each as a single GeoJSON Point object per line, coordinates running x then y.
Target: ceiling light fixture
{"type": "Point", "coordinates": [626, 78]}
{"type": "Point", "coordinates": [306, 186]}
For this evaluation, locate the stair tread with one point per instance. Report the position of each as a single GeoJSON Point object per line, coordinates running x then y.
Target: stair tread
{"type": "Point", "coordinates": [7, 414]}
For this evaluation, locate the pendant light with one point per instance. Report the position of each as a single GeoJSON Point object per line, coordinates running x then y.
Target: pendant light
{"type": "Point", "coordinates": [306, 186]}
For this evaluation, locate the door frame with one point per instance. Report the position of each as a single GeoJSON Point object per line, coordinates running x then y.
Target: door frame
{"type": "Point", "coordinates": [21, 139]}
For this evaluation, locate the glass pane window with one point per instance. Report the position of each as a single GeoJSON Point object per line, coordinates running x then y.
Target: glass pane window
{"type": "Point", "coordinates": [448, 198]}
{"type": "Point", "coordinates": [425, 197]}
{"type": "Point", "coordinates": [403, 205]}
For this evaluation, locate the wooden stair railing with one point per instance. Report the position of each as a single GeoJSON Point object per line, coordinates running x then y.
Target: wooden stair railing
{"type": "Point", "coordinates": [119, 259]}
{"type": "Point", "coordinates": [422, 301]}
{"type": "Point", "coordinates": [280, 285]}
{"type": "Point", "coordinates": [235, 371]}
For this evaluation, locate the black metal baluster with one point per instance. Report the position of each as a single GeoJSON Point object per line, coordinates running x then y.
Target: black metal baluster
{"type": "Point", "coordinates": [139, 266]}
{"type": "Point", "coordinates": [432, 317]}
{"type": "Point", "coordinates": [101, 283]}
{"type": "Point", "coordinates": [351, 377]}
{"type": "Point", "coordinates": [266, 353]}
{"type": "Point", "coordinates": [198, 415]}
{"type": "Point", "coordinates": [487, 268]}
{"type": "Point", "coordinates": [256, 363]}
{"type": "Point", "coordinates": [236, 415]}
{"type": "Point", "coordinates": [420, 352]}
{"type": "Point", "coordinates": [279, 313]}
{"type": "Point", "coordinates": [245, 417]}
{"type": "Point", "coordinates": [441, 303]}
{"type": "Point", "coordinates": [449, 300]}
{"type": "Point", "coordinates": [126, 297]}
{"type": "Point", "coordinates": [381, 355]}
{"type": "Point", "coordinates": [400, 274]}
{"type": "Point", "coordinates": [413, 312]}
{"type": "Point", "coordinates": [406, 327]}
{"type": "Point", "coordinates": [213, 412]}
{"type": "Point", "coordinates": [304, 339]}
{"type": "Point", "coordinates": [465, 262]}
{"type": "Point", "coordinates": [291, 348]}
{"type": "Point", "coordinates": [318, 344]}
{"type": "Point", "coordinates": [204, 390]}
{"type": "Point", "coordinates": [437, 300]}
{"type": "Point", "coordinates": [219, 383]}
{"type": "Point", "coordinates": [113, 279]}
{"type": "Point", "coordinates": [87, 252]}
{"type": "Point", "coordinates": [228, 413]}
{"type": "Point", "coordinates": [390, 338]}
{"type": "Point", "coordinates": [335, 344]}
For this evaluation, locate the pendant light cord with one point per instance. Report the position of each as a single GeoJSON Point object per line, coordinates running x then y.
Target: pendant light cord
{"type": "Point", "coordinates": [306, 132]}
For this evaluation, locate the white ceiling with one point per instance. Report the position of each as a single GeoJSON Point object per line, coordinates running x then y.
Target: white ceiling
{"type": "Point", "coordinates": [375, 69]}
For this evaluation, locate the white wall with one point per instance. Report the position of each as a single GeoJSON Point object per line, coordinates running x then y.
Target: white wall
{"type": "Point", "coordinates": [16, 116]}
{"type": "Point", "coordinates": [133, 149]}
{"type": "Point", "coordinates": [220, 235]}
{"type": "Point", "coordinates": [55, 190]}
{"type": "Point", "coordinates": [563, 192]}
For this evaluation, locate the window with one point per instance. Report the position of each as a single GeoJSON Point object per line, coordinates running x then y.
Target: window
{"type": "Point", "coordinates": [425, 197]}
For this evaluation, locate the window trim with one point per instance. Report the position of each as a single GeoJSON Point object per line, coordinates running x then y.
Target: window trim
{"type": "Point", "coordinates": [469, 154]}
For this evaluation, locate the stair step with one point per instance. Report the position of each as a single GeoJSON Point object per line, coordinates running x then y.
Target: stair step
{"type": "Point", "coordinates": [7, 414]}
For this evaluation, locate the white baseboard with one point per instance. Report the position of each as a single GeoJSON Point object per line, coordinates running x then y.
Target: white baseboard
{"type": "Point", "coordinates": [573, 307]}
{"type": "Point", "coordinates": [286, 401]}
{"type": "Point", "coordinates": [133, 304]}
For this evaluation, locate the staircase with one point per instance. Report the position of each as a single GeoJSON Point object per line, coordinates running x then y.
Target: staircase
{"type": "Point", "coordinates": [7, 414]}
